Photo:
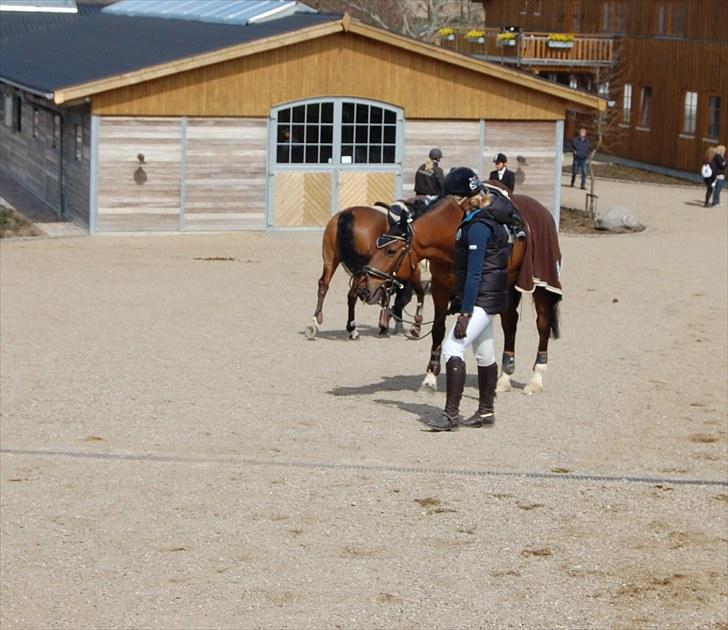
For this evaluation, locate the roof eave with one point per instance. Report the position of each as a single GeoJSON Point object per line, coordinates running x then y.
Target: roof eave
{"type": "Point", "coordinates": [26, 88]}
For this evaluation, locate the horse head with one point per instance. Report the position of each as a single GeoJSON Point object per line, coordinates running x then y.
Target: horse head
{"type": "Point", "coordinates": [388, 269]}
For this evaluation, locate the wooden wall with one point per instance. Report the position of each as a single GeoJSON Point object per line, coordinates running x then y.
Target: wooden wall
{"type": "Point", "coordinates": [77, 173]}
{"type": "Point", "coordinates": [207, 174]}
{"type": "Point", "coordinates": [345, 65]}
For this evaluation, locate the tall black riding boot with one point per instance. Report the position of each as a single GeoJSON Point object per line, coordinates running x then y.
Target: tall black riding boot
{"type": "Point", "coordinates": [450, 417]}
{"type": "Point", "coordinates": [487, 380]}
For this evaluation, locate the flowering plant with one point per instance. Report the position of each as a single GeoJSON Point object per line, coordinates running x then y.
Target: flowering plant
{"type": "Point", "coordinates": [505, 36]}
{"type": "Point", "coordinates": [446, 31]}
{"type": "Point", "coordinates": [474, 34]}
{"type": "Point", "coordinates": [561, 37]}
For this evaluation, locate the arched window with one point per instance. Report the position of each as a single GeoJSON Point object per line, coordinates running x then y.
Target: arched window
{"type": "Point", "coordinates": [337, 131]}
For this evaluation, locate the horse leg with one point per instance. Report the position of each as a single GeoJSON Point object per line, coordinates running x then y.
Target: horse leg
{"type": "Point", "coordinates": [546, 322]}
{"type": "Point", "coordinates": [441, 299]}
{"type": "Point", "coordinates": [403, 296]}
{"type": "Point", "coordinates": [384, 317]}
{"type": "Point", "coordinates": [509, 324]}
{"type": "Point", "coordinates": [420, 293]}
{"type": "Point", "coordinates": [331, 262]}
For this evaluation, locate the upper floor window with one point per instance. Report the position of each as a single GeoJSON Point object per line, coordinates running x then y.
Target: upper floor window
{"type": "Point", "coordinates": [18, 114]}
{"type": "Point", "coordinates": [613, 16]}
{"type": "Point", "coordinates": [8, 110]}
{"type": "Point", "coordinates": [56, 130]}
{"type": "Point", "coordinates": [690, 115]}
{"type": "Point", "coordinates": [646, 107]}
{"type": "Point", "coordinates": [627, 103]}
{"type": "Point", "coordinates": [714, 116]}
{"type": "Point", "coordinates": [671, 18]}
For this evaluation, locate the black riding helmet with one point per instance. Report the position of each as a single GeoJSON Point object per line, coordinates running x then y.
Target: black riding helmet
{"type": "Point", "coordinates": [463, 182]}
{"type": "Point", "coordinates": [435, 154]}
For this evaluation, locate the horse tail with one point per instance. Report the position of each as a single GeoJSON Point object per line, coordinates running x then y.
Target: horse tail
{"type": "Point", "coordinates": [350, 257]}
{"type": "Point", "coordinates": [555, 329]}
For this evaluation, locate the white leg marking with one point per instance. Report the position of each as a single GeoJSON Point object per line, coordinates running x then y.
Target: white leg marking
{"type": "Point", "coordinates": [311, 329]}
{"type": "Point", "coordinates": [429, 384]}
{"type": "Point", "coordinates": [535, 386]}
{"type": "Point", "coordinates": [504, 383]}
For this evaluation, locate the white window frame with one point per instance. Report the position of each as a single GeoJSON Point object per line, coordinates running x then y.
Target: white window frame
{"type": "Point", "coordinates": [690, 114]}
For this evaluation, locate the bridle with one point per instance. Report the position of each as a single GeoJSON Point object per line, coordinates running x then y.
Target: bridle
{"type": "Point", "coordinates": [391, 282]}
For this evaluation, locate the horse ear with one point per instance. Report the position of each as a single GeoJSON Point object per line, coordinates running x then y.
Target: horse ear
{"type": "Point", "coordinates": [404, 219]}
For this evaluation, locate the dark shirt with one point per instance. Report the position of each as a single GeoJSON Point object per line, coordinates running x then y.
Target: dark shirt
{"type": "Point", "coordinates": [429, 182]}
{"type": "Point", "coordinates": [718, 165]}
{"type": "Point", "coordinates": [581, 147]}
{"type": "Point", "coordinates": [509, 178]}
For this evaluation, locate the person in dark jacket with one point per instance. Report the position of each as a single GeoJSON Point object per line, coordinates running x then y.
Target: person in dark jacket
{"type": "Point", "coordinates": [718, 166]}
{"type": "Point", "coordinates": [482, 251]}
{"type": "Point", "coordinates": [502, 173]}
{"type": "Point", "coordinates": [430, 179]}
{"type": "Point", "coordinates": [581, 149]}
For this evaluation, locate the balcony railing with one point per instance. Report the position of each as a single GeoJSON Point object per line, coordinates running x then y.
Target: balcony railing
{"type": "Point", "coordinates": [535, 49]}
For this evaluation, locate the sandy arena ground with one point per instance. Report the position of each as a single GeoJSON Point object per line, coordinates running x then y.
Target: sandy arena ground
{"type": "Point", "coordinates": [175, 454]}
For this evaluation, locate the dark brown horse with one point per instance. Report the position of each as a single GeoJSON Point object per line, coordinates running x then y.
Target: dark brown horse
{"type": "Point", "coordinates": [350, 239]}
{"type": "Point", "coordinates": [533, 268]}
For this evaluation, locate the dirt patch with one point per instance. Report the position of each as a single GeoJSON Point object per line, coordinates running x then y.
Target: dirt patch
{"type": "Point", "coordinates": [14, 224]}
{"type": "Point", "coordinates": [573, 221]}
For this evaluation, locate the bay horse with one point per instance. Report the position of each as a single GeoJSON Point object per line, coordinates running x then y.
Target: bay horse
{"type": "Point", "coordinates": [533, 268]}
{"type": "Point", "coordinates": [350, 238]}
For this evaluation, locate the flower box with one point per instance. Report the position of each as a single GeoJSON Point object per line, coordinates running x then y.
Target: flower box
{"type": "Point", "coordinates": [559, 44]}
{"type": "Point", "coordinates": [477, 40]}
{"type": "Point", "coordinates": [506, 42]}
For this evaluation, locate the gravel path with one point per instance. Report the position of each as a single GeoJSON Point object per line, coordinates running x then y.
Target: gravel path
{"type": "Point", "coordinates": [175, 454]}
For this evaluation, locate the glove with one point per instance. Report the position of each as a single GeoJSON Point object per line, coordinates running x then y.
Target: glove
{"type": "Point", "coordinates": [461, 326]}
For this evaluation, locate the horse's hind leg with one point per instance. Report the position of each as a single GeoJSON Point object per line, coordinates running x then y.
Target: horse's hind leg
{"type": "Point", "coordinates": [420, 293]}
{"type": "Point", "coordinates": [402, 298]}
{"type": "Point", "coordinates": [352, 297]}
{"type": "Point", "coordinates": [331, 262]}
{"type": "Point", "coordinates": [546, 322]}
{"type": "Point", "coordinates": [440, 298]}
{"type": "Point", "coordinates": [509, 324]}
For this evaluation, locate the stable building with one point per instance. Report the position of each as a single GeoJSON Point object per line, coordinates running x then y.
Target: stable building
{"type": "Point", "coordinates": [130, 121]}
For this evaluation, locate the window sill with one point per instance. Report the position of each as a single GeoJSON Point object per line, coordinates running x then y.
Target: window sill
{"type": "Point", "coordinates": [710, 139]}
{"type": "Point", "coordinates": [687, 136]}
{"type": "Point", "coordinates": [642, 129]}
{"type": "Point", "coordinates": [624, 125]}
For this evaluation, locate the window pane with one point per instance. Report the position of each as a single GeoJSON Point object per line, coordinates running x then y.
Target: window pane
{"type": "Point", "coordinates": [390, 117]}
{"type": "Point", "coordinates": [311, 155]}
{"type": "Point", "coordinates": [646, 107]}
{"type": "Point", "coordinates": [388, 156]}
{"type": "Point", "coordinates": [284, 115]}
{"type": "Point", "coordinates": [283, 154]}
{"type": "Point", "coordinates": [327, 112]}
{"type": "Point", "coordinates": [390, 134]}
{"type": "Point", "coordinates": [690, 114]}
{"type": "Point", "coordinates": [362, 113]}
{"type": "Point", "coordinates": [361, 134]}
{"type": "Point", "coordinates": [284, 133]}
{"type": "Point", "coordinates": [327, 133]}
{"type": "Point", "coordinates": [297, 133]}
{"type": "Point", "coordinates": [375, 155]}
{"type": "Point", "coordinates": [299, 113]}
{"type": "Point", "coordinates": [347, 112]}
{"type": "Point", "coordinates": [312, 134]}
{"type": "Point", "coordinates": [627, 103]}
{"type": "Point", "coordinates": [376, 114]}
{"type": "Point", "coordinates": [312, 113]}
{"type": "Point", "coordinates": [56, 130]}
{"type": "Point", "coordinates": [347, 133]}
{"type": "Point", "coordinates": [297, 154]}
{"type": "Point", "coordinates": [347, 151]}
{"type": "Point", "coordinates": [375, 134]}
{"type": "Point", "coordinates": [326, 153]}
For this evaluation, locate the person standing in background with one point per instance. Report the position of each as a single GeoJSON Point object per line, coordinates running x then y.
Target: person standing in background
{"type": "Point", "coordinates": [718, 166]}
{"type": "Point", "coordinates": [581, 148]}
{"type": "Point", "coordinates": [501, 173]}
{"type": "Point", "coordinates": [430, 179]}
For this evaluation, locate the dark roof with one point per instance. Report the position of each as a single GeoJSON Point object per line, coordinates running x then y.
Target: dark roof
{"type": "Point", "coordinates": [15, 23]}
{"type": "Point", "coordinates": [102, 45]}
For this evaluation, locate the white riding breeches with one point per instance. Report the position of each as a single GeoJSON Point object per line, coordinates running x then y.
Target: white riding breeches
{"type": "Point", "coordinates": [479, 336]}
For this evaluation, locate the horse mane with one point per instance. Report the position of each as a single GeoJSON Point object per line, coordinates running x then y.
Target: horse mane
{"type": "Point", "coordinates": [352, 260]}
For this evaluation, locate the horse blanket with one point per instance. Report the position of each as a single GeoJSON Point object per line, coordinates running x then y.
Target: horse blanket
{"type": "Point", "coordinates": [541, 264]}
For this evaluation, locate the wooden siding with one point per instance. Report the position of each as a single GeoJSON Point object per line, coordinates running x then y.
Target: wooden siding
{"type": "Point", "coordinates": [151, 201]}
{"type": "Point", "coordinates": [424, 86]}
{"type": "Point", "coordinates": [459, 142]}
{"type": "Point", "coordinates": [225, 174]}
{"type": "Point", "coordinates": [302, 199]}
{"type": "Point", "coordinates": [535, 144]}
{"type": "Point", "coordinates": [77, 173]}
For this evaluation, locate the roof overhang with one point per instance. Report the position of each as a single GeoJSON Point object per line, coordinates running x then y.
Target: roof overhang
{"type": "Point", "coordinates": [525, 79]}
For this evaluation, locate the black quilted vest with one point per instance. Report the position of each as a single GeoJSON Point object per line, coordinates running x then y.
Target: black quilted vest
{"type": "Point", "coordinates": [493, 290]}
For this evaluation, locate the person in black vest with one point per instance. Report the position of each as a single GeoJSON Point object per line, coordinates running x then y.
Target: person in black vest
{"type": "Point", "coordinates": [481, 271]}
{"type": "Point", "coordinates": [502, 174]}
{"type": "Point", "coordinates": [581, 149]}
{"type": "Point", "coordinates": [430, 179]}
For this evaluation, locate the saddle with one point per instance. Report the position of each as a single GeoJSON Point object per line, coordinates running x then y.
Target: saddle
{"type": "Point", "coordinates": [501, 210]}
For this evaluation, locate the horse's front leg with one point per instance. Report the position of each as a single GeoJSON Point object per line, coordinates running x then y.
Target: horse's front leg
{"type": "Point", "coordinates": [419, 290]}
{"type": "Point", "coordinates": [547, 323]}
{"type": "Point", "coordinates": [441, 299]}
{"type": "Point", "coordinates": [384, 317]}
{"type": "Point", "coordinates": [509, 324]}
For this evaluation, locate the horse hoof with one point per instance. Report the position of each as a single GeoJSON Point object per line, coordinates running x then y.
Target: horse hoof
{"type": "Point", "coordinates": [504, 384]}
{"type": "Point", "coordinates": [532, 389]}
{"type": "Point", "coordinates": [354, 334]}
{"type": "Point", "coordinates": [415, 332]}
{"type": "Point", "coordinates": [384, 332]}
{"type": "Point", "coordinates": [429, 384]}
{"type": "Point", "coordinates": [398, 329]}
{"type": "Point", "coordinates": [311, 331]}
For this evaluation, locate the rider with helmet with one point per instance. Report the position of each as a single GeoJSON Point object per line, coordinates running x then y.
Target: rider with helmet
{"type": "Point", "coordinates": [430, 179]}
{"type": "Point", "coordinates": [482, 251]}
